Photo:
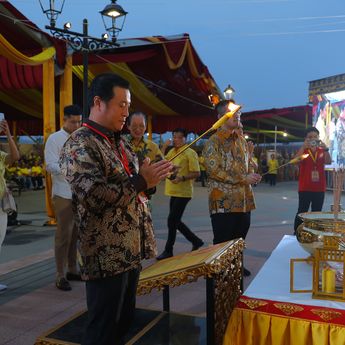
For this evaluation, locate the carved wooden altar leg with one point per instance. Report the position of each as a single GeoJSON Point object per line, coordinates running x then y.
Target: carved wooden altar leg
{"type": "Point", "coordinates": [210, 310]}
{"type": "Point", "coordinates": [166, 298]}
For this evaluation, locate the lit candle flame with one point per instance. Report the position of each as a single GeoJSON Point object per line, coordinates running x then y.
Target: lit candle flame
{"type": "Point", "coordinates": [299, 158]}
{"type": "Point", "coordinates": [292, 161]}
{"type": "Point", "coordinates": [233, 109]}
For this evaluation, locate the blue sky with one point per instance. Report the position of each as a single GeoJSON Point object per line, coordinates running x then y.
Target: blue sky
{"type": "Point", "coordinates": [268, 50]}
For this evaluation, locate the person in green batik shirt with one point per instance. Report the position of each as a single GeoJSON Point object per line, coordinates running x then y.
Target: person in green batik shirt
{"type": "Point", "coordinates": [137, 124]}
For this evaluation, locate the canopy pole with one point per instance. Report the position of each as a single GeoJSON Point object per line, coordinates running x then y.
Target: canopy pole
{"type": "Point", "coordinates": [66, 87]}
{"type": "Point", "coordinates": [49, 127]}
{"type": "Point", "coordinates": [149, 126]}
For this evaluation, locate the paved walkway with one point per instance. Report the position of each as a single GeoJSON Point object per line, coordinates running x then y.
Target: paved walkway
{"type": "Point", "coordinates": [32, 305]}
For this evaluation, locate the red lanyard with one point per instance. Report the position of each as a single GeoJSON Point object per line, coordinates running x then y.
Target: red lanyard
{"type": "Point", "coordinates": [312, 157]}
{"type": "Point", "coordinates": [121, 156]}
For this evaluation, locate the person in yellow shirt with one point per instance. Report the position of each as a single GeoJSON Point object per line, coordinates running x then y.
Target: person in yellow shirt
{"type": "Point", "coordinates": [273, 169]}
{"type": "Point", "coordinates": [24, 175]}
{"type": "Point", "coordinates": [37, 175]}
{"type": "Point", "coordinates": [180, 189]}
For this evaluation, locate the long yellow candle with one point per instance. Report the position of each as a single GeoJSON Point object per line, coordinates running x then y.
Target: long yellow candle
{"type": "Point", "coordinates": [232, 107]}
{"type": "Point", "coordinates": [292, 161]}
{"type": "Point", "coordinates": [323, 280]}
{"type": "Point", "coordinates": [330, 281]}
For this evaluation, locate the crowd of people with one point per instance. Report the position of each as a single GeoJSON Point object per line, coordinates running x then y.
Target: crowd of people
{"type": "Point", "coordinates": [27, 173]}
{"type": "Point", "coordinates": [102, 183]}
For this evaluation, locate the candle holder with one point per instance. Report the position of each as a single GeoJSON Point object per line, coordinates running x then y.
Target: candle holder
{"type": "Point", "coordinates": [328, 270]}
{"type": "Point", "coordinates": [328, 264]}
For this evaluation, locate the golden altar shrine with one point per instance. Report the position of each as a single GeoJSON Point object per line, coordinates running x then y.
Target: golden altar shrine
{"type": "Point", "coordinates": [269, 314]}
{"type": "Point", "coordinates": [220, 265]}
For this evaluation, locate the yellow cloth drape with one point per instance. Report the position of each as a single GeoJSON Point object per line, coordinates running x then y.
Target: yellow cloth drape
{"type": "Point", "coordinates": [11, 53]}
{"type": "Point", "coordinates": [49, 126]}
{"type": "Point", "coordinates": [28, 101]}
{"type": "Point", "coordinates": [254, 328]}
{"type": "Point", "coordinates": [138, 88]}
{"type": "Point", "coordinates": [66, 87]}
{"type": "Point", "coordinates": [187, 51]}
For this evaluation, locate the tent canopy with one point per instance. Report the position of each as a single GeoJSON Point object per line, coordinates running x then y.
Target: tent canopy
{"type": "Point", "coordinates": [261, 125]}
{"type": "Point", "coordinates": [168, 82]}
{"type": "Point", "coordinates": [167, 77]}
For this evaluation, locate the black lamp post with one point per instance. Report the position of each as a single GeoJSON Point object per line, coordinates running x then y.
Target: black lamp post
{"type": "Point", "coordinates": [229, 92]}
{"type": "Point", "coordinates": [82, 41]}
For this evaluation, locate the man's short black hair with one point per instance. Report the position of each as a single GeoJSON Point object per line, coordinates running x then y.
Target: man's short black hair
{"type": "Point", "coordinates": [181, 130]}
{"type": "Point", "coordinates": [311, 129]}
{"type": "Point", "coordinates": [72, 110]}
{"type": "Point", "coordinates": [136, 113]}
{"type": "Point", "coordinates": [102, 86]}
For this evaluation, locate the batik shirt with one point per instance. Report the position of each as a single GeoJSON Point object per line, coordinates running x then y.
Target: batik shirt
{"type": "Point", "coordinates": [114, 226]}
{"type": "Point", "coordinates": [227, 165]}
{"type": "Point", "coordinates": [146, 148]}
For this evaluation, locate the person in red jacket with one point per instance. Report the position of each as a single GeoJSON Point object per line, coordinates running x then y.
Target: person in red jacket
{"type": "Point", "coordinates": [312, 177]}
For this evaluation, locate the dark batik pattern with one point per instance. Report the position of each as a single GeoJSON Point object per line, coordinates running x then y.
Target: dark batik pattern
{"type": "Point", "coordinates": [111, 221]}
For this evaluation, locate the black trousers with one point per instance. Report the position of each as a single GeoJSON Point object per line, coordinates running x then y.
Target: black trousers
{"type": "Point", "coordinates": [203, 177]}
{"type": "Point", "coordinates": [228, 226]}
{"type": "Point", "coordinates": [304, 200]}
{"type": "Point", "coordinates": [272, 179]}
{"type": "Point", "coordinates": [176, 209]}
{"type": "Point", "coordinates": [111, 306]}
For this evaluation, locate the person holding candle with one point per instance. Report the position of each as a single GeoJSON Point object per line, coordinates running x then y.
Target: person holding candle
{"type": "Point", "coordinates": [230, 170]}
{"type": "Point", "coordinates": [106, 181]}
{"type": "Point", "coordinates": [137, 124]}
{"type": "Point", "coordinates": [312, 178]}
{"type": "Point", "coordinates": [179, 187]}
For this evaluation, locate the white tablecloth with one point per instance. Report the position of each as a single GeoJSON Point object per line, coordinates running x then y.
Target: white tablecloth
{"type": "Point", "coordinates": [273, 280]}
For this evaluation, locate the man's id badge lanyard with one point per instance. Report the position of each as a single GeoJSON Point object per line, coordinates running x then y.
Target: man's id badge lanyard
{"type": "Point", "coordinates": [120, 155]}
{"type": "Point", "coordinates": [122, 158]}
{"type": "Point", "coordinates": [315, 177]}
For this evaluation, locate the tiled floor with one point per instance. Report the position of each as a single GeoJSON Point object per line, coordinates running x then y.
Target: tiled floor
{"type": "Point", "coordinates": [32, 305]}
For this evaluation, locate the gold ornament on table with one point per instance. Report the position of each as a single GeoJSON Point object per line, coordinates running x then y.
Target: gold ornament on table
{"type": "Point", "coordinates": [322, 234]}
{"type": "Point", "coordinates": [316, 225]}
{"type": "Point", "coordinates": [328, 270]}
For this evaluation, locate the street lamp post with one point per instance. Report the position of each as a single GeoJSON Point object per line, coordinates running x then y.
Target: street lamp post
{"type": "Point", "coordinates": [229, 92]}
{"type": "Point", "coordinates": [82, 41]}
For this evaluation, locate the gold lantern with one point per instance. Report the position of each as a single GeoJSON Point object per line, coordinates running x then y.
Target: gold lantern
{"type": "Point", "coordinates": [328, 270]}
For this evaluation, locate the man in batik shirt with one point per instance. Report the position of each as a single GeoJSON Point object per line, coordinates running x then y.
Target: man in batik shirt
{"type": "Point", "coordinates": [230, 176]}
{"type": "Point", "coordinates": [113, 226]}
{"type": "Point", "coordinates": [137, 124]}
